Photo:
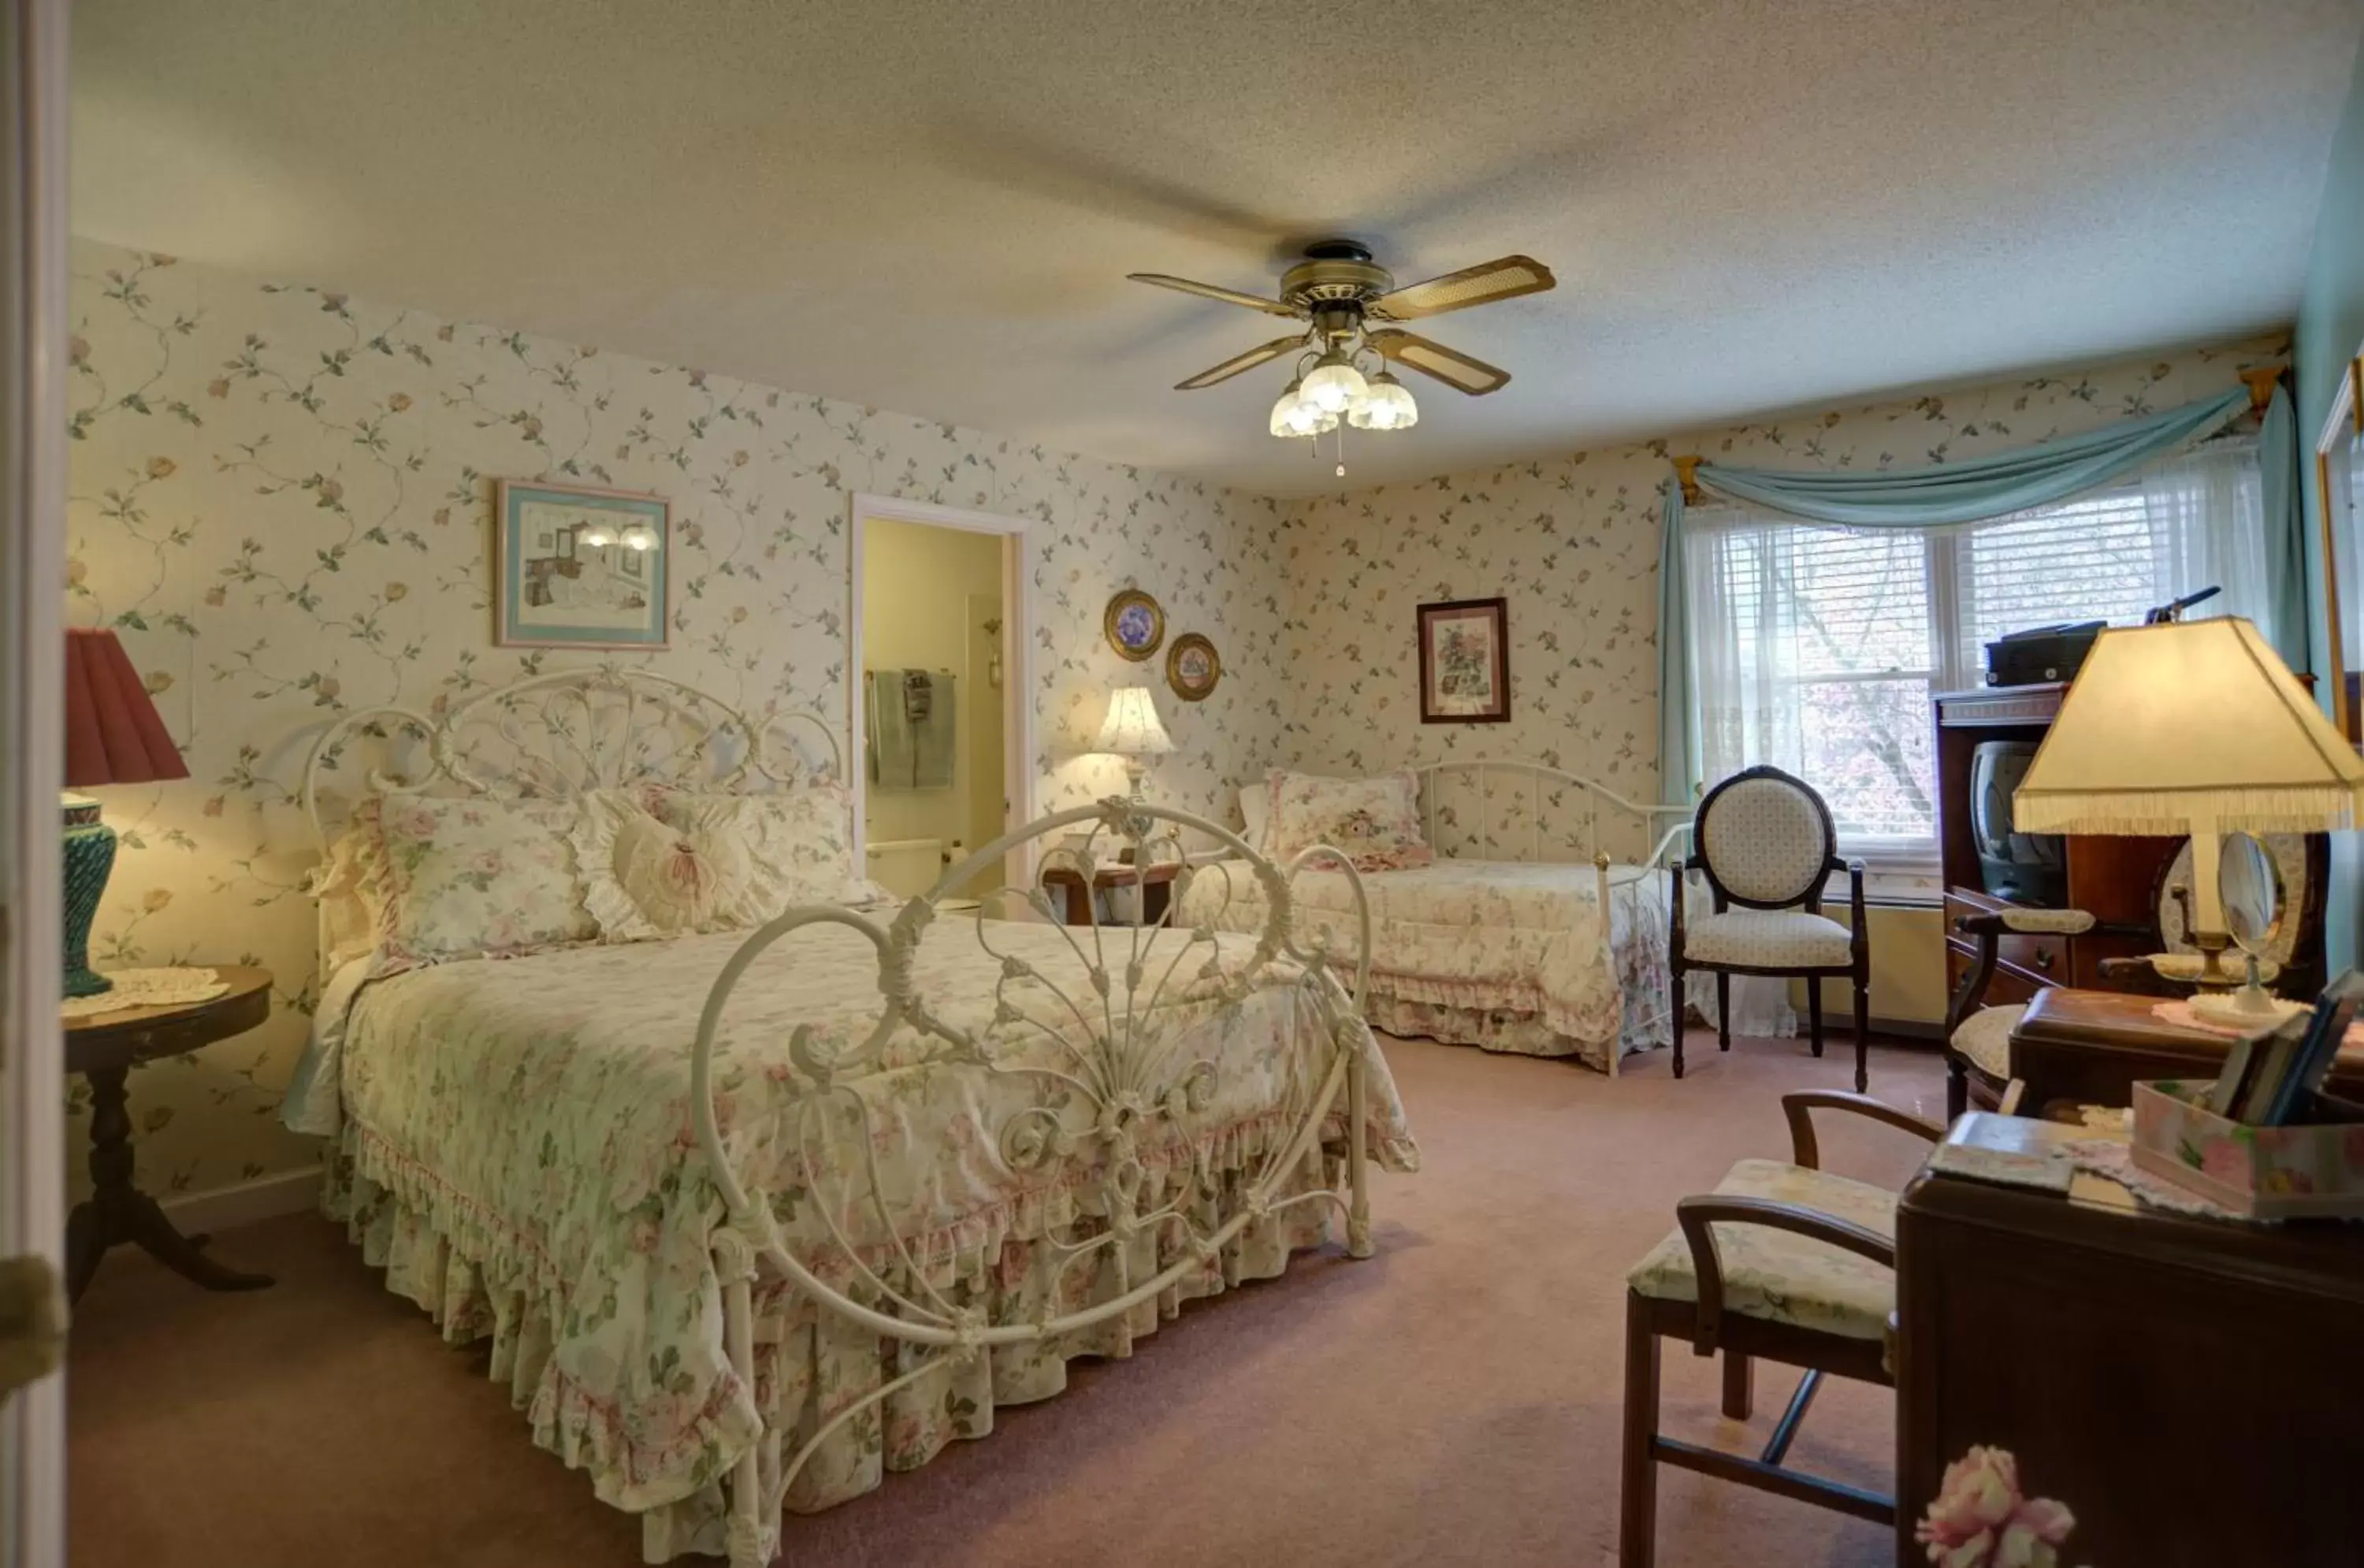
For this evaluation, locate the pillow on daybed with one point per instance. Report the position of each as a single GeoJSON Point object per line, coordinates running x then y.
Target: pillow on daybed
{"type": "Point", "coordinates": [1376, 821]}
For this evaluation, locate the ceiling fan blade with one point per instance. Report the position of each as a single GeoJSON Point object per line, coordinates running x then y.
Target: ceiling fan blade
{"type": "Point", "coordinates": [1239, 362]}
{"type": "Point", "coordinates": [1209, 291]}
{"type": "Point", "coordinates": [1458, 370]}
{"type": "Point", "coordinates": [1505, 278]}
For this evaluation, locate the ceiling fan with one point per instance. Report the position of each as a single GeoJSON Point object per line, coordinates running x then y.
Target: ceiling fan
{"type": "Point", "coordinates": [1339, 292]}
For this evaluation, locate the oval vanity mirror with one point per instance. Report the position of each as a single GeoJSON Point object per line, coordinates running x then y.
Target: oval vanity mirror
{"type": "Point", "coordinates": [2250, 889]}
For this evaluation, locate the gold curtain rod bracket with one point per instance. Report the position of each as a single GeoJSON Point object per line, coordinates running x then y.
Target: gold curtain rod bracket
{"type": "Point", "coordinates": [2261, 381]}
{"type": "Point", "coordinates": [1687, 475]}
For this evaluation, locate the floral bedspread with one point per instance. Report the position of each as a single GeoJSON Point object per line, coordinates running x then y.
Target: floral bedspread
{"type": "Point", "coordinates": [1505, 954]}
{"type": "Point", "coordinates": [516, 1148]}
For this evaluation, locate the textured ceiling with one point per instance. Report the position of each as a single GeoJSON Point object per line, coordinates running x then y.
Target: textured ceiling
{"type": "Point", "coordinates": [931, 208]}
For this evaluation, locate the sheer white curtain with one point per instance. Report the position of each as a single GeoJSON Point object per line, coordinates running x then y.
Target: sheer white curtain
{"type": "Point", "coordinates": [1817, 648]}
{"type": "Point", "coordinates": [2206, 513]}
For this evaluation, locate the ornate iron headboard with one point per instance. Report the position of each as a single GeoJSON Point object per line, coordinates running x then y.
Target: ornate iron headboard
{"type": "Point", "coordinates": [567, 732]}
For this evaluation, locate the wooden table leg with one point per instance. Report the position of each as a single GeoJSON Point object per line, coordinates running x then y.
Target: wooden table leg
{"type": "Point", "coordinates": [118, 1211]}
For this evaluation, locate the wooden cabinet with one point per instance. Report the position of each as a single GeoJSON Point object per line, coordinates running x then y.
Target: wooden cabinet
{"type": "Point", "coordinates": [2187, 1387]}
{"type": "Point", "coordinates": [2115, 881]}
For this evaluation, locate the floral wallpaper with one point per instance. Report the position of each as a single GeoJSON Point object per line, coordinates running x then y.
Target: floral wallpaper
{"type": "Point", "coordinates": [1572, 544]}
{"type": "Point", "coordinates": [282, 499]}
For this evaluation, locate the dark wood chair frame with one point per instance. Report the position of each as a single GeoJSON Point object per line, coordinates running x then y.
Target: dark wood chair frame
{"type": "Point", "coordinates": [1741, 1340]}
{"type": "Point", "coordinates": [1858, 965]}
{"type": "Point", "coordinates": [1965, 1079]}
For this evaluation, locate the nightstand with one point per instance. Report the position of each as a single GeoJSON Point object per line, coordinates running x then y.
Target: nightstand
{"type": "Point", "coordinates": [103, 1048]}
{"type": "Point", "coordinates": [1155, 882]}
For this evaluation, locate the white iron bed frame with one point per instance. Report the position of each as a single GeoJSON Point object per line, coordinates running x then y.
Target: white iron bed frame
{"type": "Point", "coordinates": [571, 731]}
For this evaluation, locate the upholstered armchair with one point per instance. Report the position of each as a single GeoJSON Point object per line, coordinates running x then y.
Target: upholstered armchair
{"type": "Point", "coordinates": [1783, 1263]}
{"type": "Point", "coordinates": [1977, 1038]}
{"type": "Point", "coordinates": [1764, 842]}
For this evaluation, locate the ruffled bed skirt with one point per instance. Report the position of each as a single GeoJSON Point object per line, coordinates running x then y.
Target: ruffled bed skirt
{"type": "Point", "coordinates": [480, 1281]}
{"type": "Point", "coordinates": [1515, 1020]}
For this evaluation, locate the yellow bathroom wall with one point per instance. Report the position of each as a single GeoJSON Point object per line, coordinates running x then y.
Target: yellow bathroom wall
{"type": "Point", "coordinates": [922, 587]}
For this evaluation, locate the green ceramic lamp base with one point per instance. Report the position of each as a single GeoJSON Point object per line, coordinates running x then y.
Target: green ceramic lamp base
{"type": "Point", "coordinates": [89, 856]}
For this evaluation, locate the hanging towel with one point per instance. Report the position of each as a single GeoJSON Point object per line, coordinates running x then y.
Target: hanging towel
{"type": "Point", "coordinates": [911, 731]}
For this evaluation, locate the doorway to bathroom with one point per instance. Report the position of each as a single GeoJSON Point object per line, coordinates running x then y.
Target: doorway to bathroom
{"type": "Point", "coordinates": [941, 729]}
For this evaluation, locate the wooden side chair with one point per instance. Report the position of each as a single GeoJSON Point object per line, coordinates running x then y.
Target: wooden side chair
{"type": "Point", "coordinates": [1977, 1038]}
{"type": "Point", "coordinates": [1784, 1263]}
{"type": "Point", "coordinates": [1765, 841]}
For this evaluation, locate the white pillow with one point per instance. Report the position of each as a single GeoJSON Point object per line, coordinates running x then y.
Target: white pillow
{"type": "Point", "coordinates": [1255, 812]}
{"type": "Point", "coordinates": [645, 877]}
{"type": "Point", "coordinates": [800, 841]}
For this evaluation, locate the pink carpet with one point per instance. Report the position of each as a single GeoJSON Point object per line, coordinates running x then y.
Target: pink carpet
{"type": "Point", "coordinates": [1453, 1400]}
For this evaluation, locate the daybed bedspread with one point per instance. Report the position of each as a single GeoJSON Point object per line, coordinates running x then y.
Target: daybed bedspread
{"type": "Point", "coordinates": [1504, 954]}
{"type": "Point", "coordinates": [513, 1145]}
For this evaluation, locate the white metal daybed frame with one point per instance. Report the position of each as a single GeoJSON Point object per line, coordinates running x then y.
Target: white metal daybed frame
{"type": "Point", "coordinates": [571, 731]}
{"type": "Point", "coordinates": [1544, 787]}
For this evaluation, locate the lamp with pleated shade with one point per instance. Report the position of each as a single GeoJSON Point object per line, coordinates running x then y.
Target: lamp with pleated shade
{"type": "Point", "coordinates": [113, 736]}
{"type": "Point", "coordinates": [1132, 730]}
{"type": "Point", "coordinates": [2190, 727]}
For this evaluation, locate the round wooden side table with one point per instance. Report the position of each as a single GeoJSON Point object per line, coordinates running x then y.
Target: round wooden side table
{"type": "Point", "coordinates": [103, 1048]}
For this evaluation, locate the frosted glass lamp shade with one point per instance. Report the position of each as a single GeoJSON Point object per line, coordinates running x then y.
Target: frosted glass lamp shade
{"type": "Point", "coordinates": [598, 536]}
{"type": "Point", "coordinates": [1333, 385]}
{"type": "Point", "coordinates": [1292, 416]}
{"type": "Point", "coordinates": [1388, 405]}
{"type": "Point", "coordinates": [1132, 727]}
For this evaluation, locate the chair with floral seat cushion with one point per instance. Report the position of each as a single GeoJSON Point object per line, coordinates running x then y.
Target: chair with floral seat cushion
{"type": "Point", "coordinates": [1764, 842]}
{"type": "Point", "coordinates": [1977, 1038]}
{"type": "Point", "coordinates": [1787, 1262]}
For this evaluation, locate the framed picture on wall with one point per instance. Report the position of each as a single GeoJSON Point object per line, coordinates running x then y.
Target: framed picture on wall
{"type": "Point", "coordinates": [1465, 662]}
{"type": "Point", "coordinates": [575, 567]}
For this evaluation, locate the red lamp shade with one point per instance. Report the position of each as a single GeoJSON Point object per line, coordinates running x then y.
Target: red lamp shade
{"type": "Point", "coordinates": [113, 735]}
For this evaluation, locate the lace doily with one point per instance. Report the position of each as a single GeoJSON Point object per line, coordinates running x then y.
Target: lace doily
{"type": "Point", "coordinates": [148, 988]}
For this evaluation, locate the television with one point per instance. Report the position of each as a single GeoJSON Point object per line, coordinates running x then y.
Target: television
{"type": "Point", "coordinates": [2027, 867]}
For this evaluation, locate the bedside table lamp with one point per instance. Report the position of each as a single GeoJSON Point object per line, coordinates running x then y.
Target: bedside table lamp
{"type": "Point", "coordinates": [2197, 728]}
{"type": "Point", "coordinates": [1132, 730]}
{"type": "Point", "coordinates": [113, 736]}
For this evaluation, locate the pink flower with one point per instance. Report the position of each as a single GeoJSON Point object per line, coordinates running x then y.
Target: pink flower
{"type": "Point", "coordinates": [1980, 1519]}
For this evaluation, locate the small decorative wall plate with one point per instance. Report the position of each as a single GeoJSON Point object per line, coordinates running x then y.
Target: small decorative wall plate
{"type": "Point", "coordinates": [1136, 625]}
{"type": "Point", "coordinates": [1192, 667]}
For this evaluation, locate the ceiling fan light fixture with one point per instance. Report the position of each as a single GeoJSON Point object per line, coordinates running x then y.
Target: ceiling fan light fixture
{"type": "Point", "coordinates": [1333, 385]}
{"type": "Point", "coordinates": [1388, 405]}
{"type": "Point", "coordinates": [1292, 416]}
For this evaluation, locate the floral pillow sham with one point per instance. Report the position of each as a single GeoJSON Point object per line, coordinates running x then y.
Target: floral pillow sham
{"type": "Point", "coordinates": [473, 877]}
{"type": "Point", "coordinates": [1376, 821]}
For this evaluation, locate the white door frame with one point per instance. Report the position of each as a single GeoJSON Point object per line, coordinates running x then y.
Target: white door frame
{"type": "Point", "coordinates": [1017, 660]}
{"type": "Point", "coordinates": [32, 730]}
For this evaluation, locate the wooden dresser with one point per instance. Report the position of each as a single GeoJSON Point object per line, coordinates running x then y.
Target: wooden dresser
{"type": "Point", "coordinates": [2187, 1387]}
{"type": "Point", "coordinates": [2113, 880]}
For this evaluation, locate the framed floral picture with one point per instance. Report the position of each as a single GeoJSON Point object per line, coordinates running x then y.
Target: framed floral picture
{"type": "Point", "coordinates": [1192, 667]}
{"type": "Point", "coordinates": [1134, 624]}
{"type": "Point", "coordinates": [1465, 662]}
{"type": "Point", "coordinates": [574, 567]}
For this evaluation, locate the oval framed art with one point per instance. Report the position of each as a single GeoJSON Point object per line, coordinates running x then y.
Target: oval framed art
{"type": "Point", "coordinates": [1192, 667]}
{"type": "Point", "coordinates": [1134, 624]}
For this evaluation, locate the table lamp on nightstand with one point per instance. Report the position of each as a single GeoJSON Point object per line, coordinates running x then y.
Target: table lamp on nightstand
{"type": "Point", "coordinates": [2197, 728]}
{"type": "Point", "coordinates": [113, 736]}
{"type": "Point", "coordinates": [1132, 730]}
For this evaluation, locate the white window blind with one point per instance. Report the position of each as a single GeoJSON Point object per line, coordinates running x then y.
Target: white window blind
{"type": "Point", "coordinates": [1818, 649]}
